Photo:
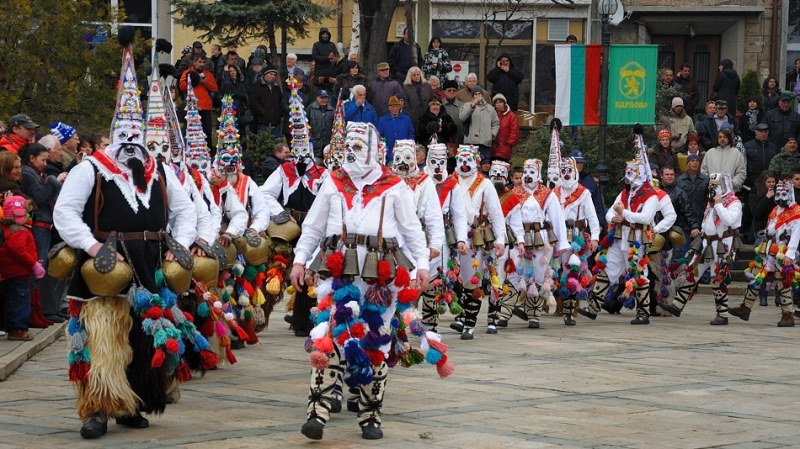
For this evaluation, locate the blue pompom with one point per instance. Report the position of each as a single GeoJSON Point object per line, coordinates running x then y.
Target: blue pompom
{"type": "Point", "coordinates": [169, 297]}
{"type": "Point", "coordinates": [433, 356]}
{"type": "Point", "coordinates": [74, 326]}
{"type": "Point", "coordinates": [141, 299]}
{"type": "Point", "coordinates": [323, 316]}
{"type": "Point", "coordinates": [630, 302]}
{"type": "Point", "coordinates": [347, 293]}
{"type": "Point", "coordinates": [200, 342]}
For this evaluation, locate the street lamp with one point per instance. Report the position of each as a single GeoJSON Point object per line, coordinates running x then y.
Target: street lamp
{"type": "Point", "coordinates": [605, 9]}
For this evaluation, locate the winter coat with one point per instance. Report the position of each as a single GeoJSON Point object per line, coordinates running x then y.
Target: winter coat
{"type": "Point", "coordinates": [381, 91]}
{"type": "Point", "coordinates": [784, 163]}
{"type": "Point", "coordinates": [663, 157]}
{"type": "Point", "coordinates": [760, 207]}
{"type": "Point", "coordinates": [506, 83]}
{"type": "Point", "coordinates": [402, 57]}
{"type": "Point", "coordinates": [507, 135]}
{"type": "Point", "coordinates": [483, 124]}
{"type": "Point", "coordinates": [319, 53]}
{"type": "Point", "coordinates": [445, 127]}
{"type": "Point", "coordinates": [366, 113]}
{"type": "Point", "coordinates": [393, 129]}
{"type": "Point", "coordinates": [453, 110]}
{"type": "Point", "coordinates": [266, 104]}
{"type": "Point", "coordinates": [346, 82]}
{"type": "Point", "coordinates": [43, 193]}
{"type": "Point", "coordinates": [726, 159]}
{"type": "Point", "coordinates": [707, 131]}
{"type": "Point", "coordinates": [726, 86]}
{"type": "Point", "coordinates": [687, 218]}
{"type": "Point", "coordinates": [54, 168]}
{"type": "Point", "coordinates": [690, 93]}
{"type": "Point", "coordinates": [695, 189]}
{"type": "Point", "coordinates": [782, 125]}
{"type": "Point", "coordinates": [758, 154]}
{"type": "Point", "coordinates": [12, 142]}
{"type": "Point", "coordinates": [770, 100]}
{"type": "Point", "coordinates": [747, 122]}
{"type": "Point", "coordinates": [441, 58]}
{"type": "Point", "coordinates": [18, 252]}
{"type": "Point", "coordinates": [321, 121]}
{"type": "Point", "coordinates": [680, 127]}
{"type": "Point", "coordinates": [417, 97]}
{"type": "Point", "coordinates": [202, 89]}
{"type": "Point", "coordinates": [238, 90]}
{"type": "Point", "coordinates": [464, 95]}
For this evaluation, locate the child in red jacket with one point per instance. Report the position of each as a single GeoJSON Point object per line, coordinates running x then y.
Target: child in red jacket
{"type": "Point", "coordinates": [18, 266]}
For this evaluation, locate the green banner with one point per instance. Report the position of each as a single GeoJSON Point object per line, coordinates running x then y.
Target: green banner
{"type": "Point", "coordinates": [632, 76]}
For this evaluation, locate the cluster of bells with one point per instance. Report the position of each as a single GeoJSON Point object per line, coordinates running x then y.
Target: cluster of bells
{"type": "Point", "coordinates": [388, 251]}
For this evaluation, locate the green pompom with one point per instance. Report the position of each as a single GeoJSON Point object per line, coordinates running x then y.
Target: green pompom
{"type": "Point", "coordinates": [248, 315]}
{"type": "Point", "coordinates": [455, 308]}
{"type": "Point", "coordinates": [203, 310]}
{"type": "Point", "coordinates": [250, 273]}
{"type": "Point", "coordinates": [159, 278]}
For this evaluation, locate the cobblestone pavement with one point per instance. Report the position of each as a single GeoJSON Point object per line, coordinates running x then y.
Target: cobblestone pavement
{"type": "Point", "coordinates": [678, 383]}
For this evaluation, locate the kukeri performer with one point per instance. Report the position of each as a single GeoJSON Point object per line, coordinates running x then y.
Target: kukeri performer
{"type": "Point", "coordinates": [372, 212]}
{"type": "Point", "coordinates": [545, 237]}
{"type": "Point", "coordinates": [487, 242]}
{"type": "Point", "coordinates": [714, 249]}
{"type": "Point", "coordinates": [446, 286]}
{"type": "Point", "coordinates": [125, 327]}
{"type": "Point", "coordinates": [501, 307]}
{"type": "Point", "coordinates": [776, 256]}
{"type": "Point", "coordinates": [624, 251]}
{"type": "Point", "coordinates": [289, 193]}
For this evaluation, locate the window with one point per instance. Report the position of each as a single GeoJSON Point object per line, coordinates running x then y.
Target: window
{"type": "Point", "coordinates": [456, 29]}
{"type": "Point", "coordinates": [557, 30]}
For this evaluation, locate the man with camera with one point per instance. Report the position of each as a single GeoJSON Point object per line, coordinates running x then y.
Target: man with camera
{"type": "Point", "coordinates": [205, 85]}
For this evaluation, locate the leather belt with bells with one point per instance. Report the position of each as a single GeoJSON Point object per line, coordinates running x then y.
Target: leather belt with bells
{"type": "Point", "coordinates": [155, 236]}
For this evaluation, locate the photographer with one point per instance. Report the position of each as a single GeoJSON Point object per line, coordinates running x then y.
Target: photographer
{"type": "Point", "coordinates": [204, 85]}
{"type": "Point", "coordinates": [505, 80]}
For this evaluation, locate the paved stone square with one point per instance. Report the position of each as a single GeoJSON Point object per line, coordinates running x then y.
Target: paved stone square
{"type": "Point", "coordinates": [678, 383]}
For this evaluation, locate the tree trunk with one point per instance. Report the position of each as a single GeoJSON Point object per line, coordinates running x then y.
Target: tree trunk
{"type": "Point", "coordinates": [269, 33]}
{"type": "Point", "coordinates": [409, 12]}
{"type": "Point", "coordinates": [376, 18]}
{"type": "Point", "coordinates": [284, 51]}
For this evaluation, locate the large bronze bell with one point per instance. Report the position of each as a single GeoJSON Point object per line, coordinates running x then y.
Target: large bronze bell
{"type": "Point", "coordinates": [658, 243]}
{"type": "Point", "coordinates": [708, 253]}
{"type": "Point", "coordinates": [317, 261]}
{"type": "Point", "coordinates": [369, 271]}
{"type": "Point", "coordinates": [721, 248]}
{"type": "Point", "coordinates": [697, 245]}
{"type": "Point", "coordinates": [63, 261]}
{"type": "Point", "coordinates": [511, 239]}
{"type": "Point", "coordinates": [392, 266]}
{"type": "Point", "coordinates": [450, 235]}
{"type": "Point", "coordinates": [323, 269]}
{"type": "Point", "coordinates": [230, 256]}
{"type": "Point", "coordinates": [108, 283]}
{"type": "Point", "coordinates": [631, 235]}
{"type": "Point", "coordinates": [477, 238]}
{"type": "Point", "coordinates": [538, 241]}
{"type": "Point", "coordinates": [737, 242]}
{"type": "Point", "coordinates": [205, 270]}
{"type": "Point", "coordinates": [176, 276]}
{"type": "Point", "coordinates": [488, 235]}
{"type": "Point", "coordinates": [256, 255]}
{"type": "Point", "coordinates": [528, 240]}
{"type": "Point", "coordinates": [402, 260]}
{"type": "Point", "coordinates": [676, 237]}
{"type": "Point", "coordinates": [551, 236]}
{"type": "Point", "coordinates": [570, 223]}
{"type": "Point", "coordinates": [350, 262]}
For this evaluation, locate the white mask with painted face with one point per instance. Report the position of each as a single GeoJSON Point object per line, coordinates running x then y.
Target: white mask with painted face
{"type": "Point", "coordinates": [531, 174]}
{"type": "Point", "coordinates": [436, 162]}
{"type": "Point", "coordinates": [569, 174]}
{"type": "Point", "coordinates": [784, 193]}
{"type": "Point", "coordinates": [361, 150]}
{"type": "Point", "coordinates": [467, 161]}
{"type": "Point", "coordinates": [635, 174]}
{"type": "Point", "coordinates": [499, 171]}
{"type": "Point", "coordinates": [405, 158]}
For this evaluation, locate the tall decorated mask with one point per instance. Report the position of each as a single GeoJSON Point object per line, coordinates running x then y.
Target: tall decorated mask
{"type": "Point", "coordinates": [784, 193]}
{"type": "Point", "coordinates": [569, 173]}
{"type": "Point", "coordinates": [158, 147]}
{"type": "Point", "coordinates": [531, 174]}
{"type": "Point", "coordinates": [467, 160]}
{"type": "Point", "coordinates": [436, 162]}
{"type": "Point", "coordinates": [227, 163]}
{"type": "Point", "coordinates": [405, 158]}
{"type": "Point", "coordinates": [635, 174]}
{"type": "Point", "coordinates": [199, 161]}
{"type": "Point", "coordinates": [361, 153]}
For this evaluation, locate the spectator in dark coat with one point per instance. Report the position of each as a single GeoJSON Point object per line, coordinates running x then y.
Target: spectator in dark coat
{"type": "Point", "coordinates": [505, 80]}
{"type": "Point", "coordinates": [382, 88]}
{"type": "Point", "coordinates": [694, 184]}
{"type": "Point", "coordinates": [708, 127]}
{"type": "Point", "coordinates": [751, 117]}
{"type": "Point", "coordinates": [771, 93]}
{"type": "Point", "coordinates": [587, 180]}
{"type": "Point", "coordinates": [661, 153]}
{"type": "Point", "coordinates": [690, 90]}
{"type": "Point", "coordinates": [320, 119]}
{"type": "Point", "coordinates": [726, 86]}
{"type": "Point", "coordinates": [783, 121]}
{"type": "Point", "coordinates": [417, 94]}
{"type": "Point", "coordinates": [279, 155]}
{"type": "Point", "coordinates": [351, 77]}
{"type": "Point", "coordinates": [320, 53]}
{"type": "Point", "coordinates": [266, 103]}
{"type": "Point", "coordinates": [793, 78]}
{"type": "Point", "coordinates": [759, 152]}
{"type": "Point", "coordinates": [404, 55]}
{"type": "Point", "coordinates": [436, 121]}
{"type": "Point", "coordinates": [761, 203]}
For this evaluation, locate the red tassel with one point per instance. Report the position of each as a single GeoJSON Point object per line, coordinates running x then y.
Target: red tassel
{"type": "Point", "coordinates": [207, 329]}
{"type": "Point", "coordinates": [358, 330]}
{"type": "Point", "coordinates": [407, 295]}
{"type": "Point", "coordinates": [324, 344]}
{"type": "Point", "coordinates": [158, 359]}
{"type": "Point", "coordinates": [183, 373]}
{"type": "Point", "coordinates": [188, 317]}
{"type": "Point", "coordinates": [229, 355]}
{"type": "Point", "coordinates": [402, 278]}
{"type": "Point", "coordinates": [208, 359]}
{"type": "Point", "coordinates": [248, 288]}
{"type": "Point", "coordinates": [510, 266]}
{"type": "Point", "coordinates": [335, 264]}
{"type": "Point", "coordinates": [172, 345]}
{"type": "Point", "coordinates": [384, 271]}
{"type": "Point", "coordinates": [79, 372]}
{"type": "Point", "coordinates": [641, 281]}
{"type": "Point", "coordinates": [249, 327]}
{"type": "Point", "coordinates": [75, 308]}
{"type": "Point", "coordinates": [154, 313]}
{"type": "Point", "coordinates": [239, 331]}
{"type": "Point", "coordinates": [444, 368]}
{"type": "Point", "coordinates": [376, 356]}
{"type": "Point", "coordinates": [168, 315]}
{"type": "Point", "coordinates": [279, 258]}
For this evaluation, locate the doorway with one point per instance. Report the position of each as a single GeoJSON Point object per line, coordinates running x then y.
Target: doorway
{"type": "Point", "coordinates": [702, 52]}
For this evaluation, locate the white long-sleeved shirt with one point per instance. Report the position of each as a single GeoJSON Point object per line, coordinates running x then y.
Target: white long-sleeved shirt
{"type": "Point", "coordinates": [279, 182]}
{"type": "Point", "coordinates": [252, 197]}
{"type": "Point", "coordinates": [429, 212]}
{"type": "Point", "coordinates": [205, 228]}
{"type": "Point", "coordinates": [484, 193]}
{"type": "Point", "coordinates": [668, 214]}
{"type": "Point", "coordinates": [68, 211]}
{"type": "Point", "coordinates": [330, 209]}
{"type": "Point", "coordinates": [233, 209]}
{"type": "Point", "coordinates": [580, 208]}
{"type": "Point", "coordinates": [791, 227]}
{"type": "Point", "coordinates": [532, 212]}
{"type": "Point", "coordinates": [455, 203]}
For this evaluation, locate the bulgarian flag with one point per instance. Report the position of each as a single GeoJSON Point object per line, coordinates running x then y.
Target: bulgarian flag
{"type": "Point", "coordinates": [578, 84]}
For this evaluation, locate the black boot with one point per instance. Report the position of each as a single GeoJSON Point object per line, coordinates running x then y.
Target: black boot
{"type": "Point", "coordinates": [313, 428]}
{"type": "Point", "coordinates": [136, 421]}
{"type": "Point", "coordinates": [371, 430]}
{"type": "Point", "coordinates": [94, 427]}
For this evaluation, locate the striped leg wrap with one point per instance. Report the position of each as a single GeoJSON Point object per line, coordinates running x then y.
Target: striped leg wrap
{"type": "Point", "coordinates": [370, 398]}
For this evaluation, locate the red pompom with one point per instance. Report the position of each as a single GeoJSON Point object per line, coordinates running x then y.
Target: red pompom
{"type": "Point", "coordinates": [384, 271]}
{"type": "Point", "coordinates": [510, 266]}
{"type": "Point", "coordinates": [75, 308]}
{"type": "Point", "coordinates": [444, 368]}
{"type": "Point", "coordinates": [324, 344]}
{"type": "Point", "coordinates": [188, 317]}
{"type": "Point", "coordinates": [183, 373]}
{"type": "Point", "coordinates": [158, 359]}
{"type": "Point", "coordinates": [154, 313]}
{"type": "Point", "coordinates": [229, 355]}
{"type": "Point", "coordinates": [239, 331]}
{"type": "Point", "coordinates": [319, 360]}
{"type": "Point", "coordinates": [407, 295]}
{"type": "Point", "coordinates": [280, 258]}
{"type": "Point", "coordinates": [208, 359]}
{"type": "Point", "coordinates": [335, 263]}
{"type": "Point", "coordinates": [172, 345]}
{"type": "Point", "coordinates": [168, 315]}
{"type": "Point", "coordinates": [402, 278]}
{"type": "Point", "coordinates": [641, 282]}
{"type": "Point", "coordinates": [376, 356]}
{"type": "Point", "coordinates": [358, 330]}
{"type": "Point", "coordinates": [342, 338]}
{"type": "Point", "coordinates": [79, 372]}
